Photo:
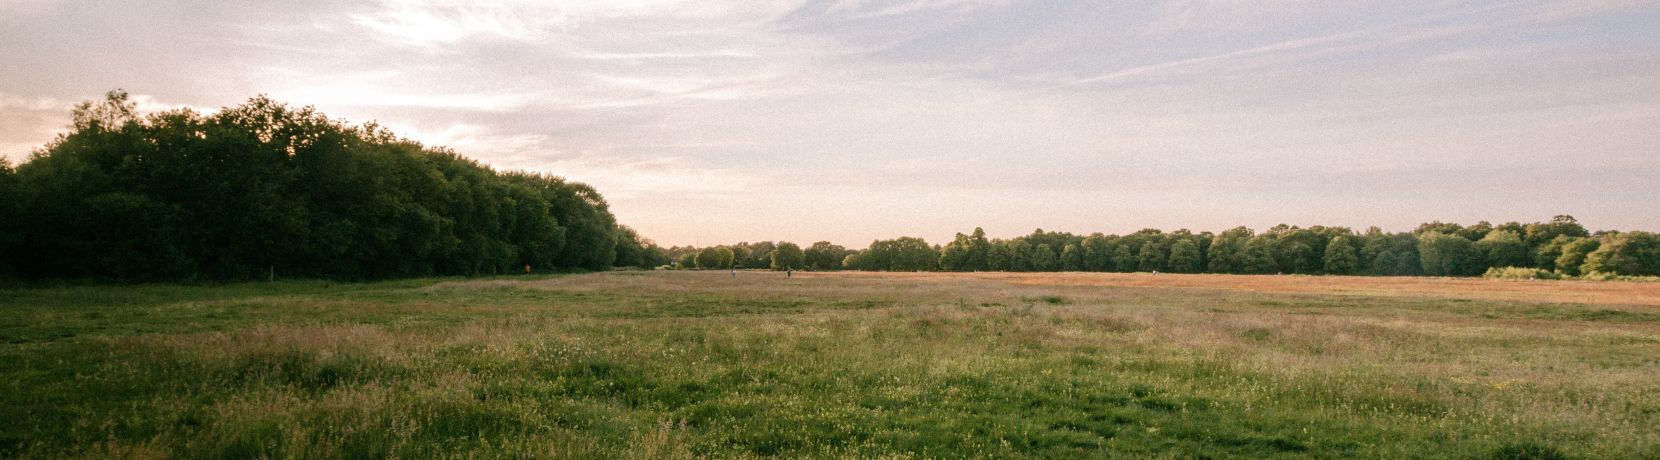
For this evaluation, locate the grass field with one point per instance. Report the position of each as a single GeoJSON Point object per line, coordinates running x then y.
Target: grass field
{"type": "Point", "coordinates": [925, 365]}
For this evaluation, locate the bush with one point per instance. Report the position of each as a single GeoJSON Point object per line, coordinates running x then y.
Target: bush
{"type": "Point", "coordinates": [1519, 273]}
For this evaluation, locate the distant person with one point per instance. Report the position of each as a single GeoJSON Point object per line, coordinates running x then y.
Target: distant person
{"type": "Point", "coordinates": [789, 272]}
{"type": "Point", "coordinates": [527, 269]}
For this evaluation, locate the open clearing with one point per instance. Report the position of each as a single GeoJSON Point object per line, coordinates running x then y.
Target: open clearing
{"type": "Point", "coordinates": [704, 364]}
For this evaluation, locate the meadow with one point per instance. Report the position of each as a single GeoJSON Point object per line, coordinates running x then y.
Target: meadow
{"type": "Point", "coordinates": [688, 364]}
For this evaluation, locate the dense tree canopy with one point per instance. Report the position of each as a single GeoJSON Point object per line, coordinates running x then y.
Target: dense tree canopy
{"type": "Point", "coordinates": [1436, 248]}
{"type": "Point", "coordinates": [265, 188]}
{"type": "Point", "coordinates": [900, 254]}
{"type": "Point", "coordinates": [788, 256]}
{"type": "Point", "coordinates": [718, 257]}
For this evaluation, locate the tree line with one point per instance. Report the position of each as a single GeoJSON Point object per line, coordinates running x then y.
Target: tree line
{"type": "Point", "coordinates": [263, 188]}
{"type": "Point", "coordinates": [781, 255]}
{"type": "Point", "coordinates": [1561, 246]}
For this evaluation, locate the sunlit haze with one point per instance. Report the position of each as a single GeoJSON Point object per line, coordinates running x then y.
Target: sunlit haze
{"type": "Point", "coordinates": [707, 123]}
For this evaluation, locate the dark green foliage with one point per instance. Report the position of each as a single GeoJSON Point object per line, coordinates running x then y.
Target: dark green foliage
{"type": "Point", "coordinates": [1258, 256]}
{"type": "Point", "coordinates": [1300, 250]}
{"type": "Point", "coordinates": [825, 256]}
{"type": "Point", "coordinates": [1149, 258]}
{"type": "Point", "coordinates": [718, 257]}
{"type": "Point", "coordinates": [998, 257]}
{"type": "Point", "coordinates": [787, 256]}
{"type": "Point", "coordinates": [10, 237]}
{"type": "Point", "coordinates": [1571, 255]}
{"type": "Point", "coordinates": [1503, 248]}
{"type": "Point", "coordinates": [1389, 253]}
{"type": "Point", "coordinates": [1437, 249]}
{"type": "Point", "coordinates": [265, 189]}
{"type": "Point", "coordinates": [1072, 258]}
{"type": "Point", "coordinates": [1539, 233]}
{"type": "Point", "coordinates": [1098, 252]}
{"type": "Point", "coordinates": [966, 253]}
{"type": "Point", "coordinates": [1340, 257]}
{"type": "Point", "coordinates": [1020, 255]}
{"type": "Point", "coordinates": [1184, 257]}
{"type": "Point", "coordinates": [1044, 258]}
{"type": "Point", "coordinates": [1627, 253]}
{"type": "Point", "coordinates": [636, 251]}
{"type": "Point", "coordinates": [900, 254]}
{"type": "Point", "coordinates": [753, 255]}
{"type": "Point", "coordinates": [1228, 249]}
{"type": "Point", "coordinates": [1448, 255]}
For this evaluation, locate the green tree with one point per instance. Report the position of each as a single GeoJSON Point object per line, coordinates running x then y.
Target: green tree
{"type": "Point", "coordinates": [1538, 234]}
{"type": "Point", "coordinates": [899, 254]}
{"type": "Point", "coordinates": [263, 188]}
{"type": "Point", "coordinates": [1184, 256]}
{"type": "Point", "coordinates": [967, 252]}
{"type": "Point", "coordinates": [1258, 257]}
{"type": "Point", "coordinates": [10, 237]}
{"type": "Point", "coordinates": [757, 254]}
{"type": "Point", "coordinates": [1401, 250]}
{"type": "Point", "coordinates": [1297, 250]}
{"type": "Point", "coordinates": [1098, 252]}
{"type": "Point", "coordinates": [1572, 253]}
{"type": "Point", "coordinates": [1020, 256]}
{"type": "Point", "coordinates": [998, 256]}
{"type": "Point", "coordinates": [1627, 253]}
{"type": "Point", "coordinates": [1503, 248]}
{"type": "Point", "coordinates": [1072, 258]}
{"type": "Point", "coordinates": [1341, 258]}
{"type": "Point", "coordinates": [1124, 255]}
{"type": "Point", "coordinates": [1448, 255]}
{"type": "Point", "coordinates": [1226, 250]}
{"type": "Point", "coordinates": [852, 262]}
{"type": "Point", "coordinates": [1044, 259]}
{"type": "Point", "coordinates": [787, 256]}
{"type": "Point", "coordinates": [1150, 258]}
{"type": "Point", "coordinates": [715, 258]}
{"type": "Point", "coordinates": [825, 256]}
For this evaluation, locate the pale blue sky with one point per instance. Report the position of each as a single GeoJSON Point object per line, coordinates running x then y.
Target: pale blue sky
{"type": "Point", "coordinates": [708, 123]}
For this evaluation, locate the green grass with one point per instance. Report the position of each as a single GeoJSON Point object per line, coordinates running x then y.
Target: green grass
{"type": "Point", "coordinates": [691, 364]}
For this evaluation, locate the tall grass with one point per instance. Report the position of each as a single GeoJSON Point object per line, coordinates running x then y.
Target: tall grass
{"type": "Point", "coordinates": [689, 364]}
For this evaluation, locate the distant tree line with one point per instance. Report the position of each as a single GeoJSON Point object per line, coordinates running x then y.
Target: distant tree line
{"type": "Point", "coordinates": [265, 188]}
{"type": "Point", "coordinates": [762, 255]}
{"type": "Point", "coordinates": [1561, 246]}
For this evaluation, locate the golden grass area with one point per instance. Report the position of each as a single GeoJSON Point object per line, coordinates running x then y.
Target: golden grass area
{"type": "Point", "coordinates": [849, 364]}
{"type": "Point", "coordinates": [1563, 291]}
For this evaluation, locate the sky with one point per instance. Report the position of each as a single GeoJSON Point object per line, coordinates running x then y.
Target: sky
{"type": "Point", "coordinates": [849, 120]}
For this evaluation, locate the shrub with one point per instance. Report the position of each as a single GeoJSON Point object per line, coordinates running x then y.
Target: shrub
{"type": "Point", "coordinates": [1519, 273]}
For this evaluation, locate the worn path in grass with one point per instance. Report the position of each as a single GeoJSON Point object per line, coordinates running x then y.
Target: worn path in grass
{"type": "Point", "coordinates": [704, 364]}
